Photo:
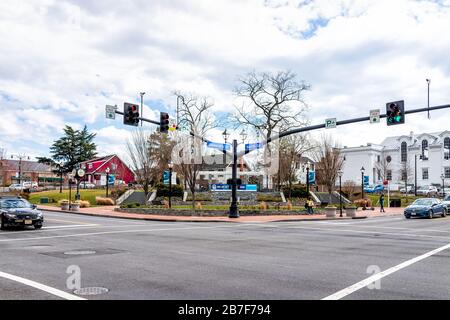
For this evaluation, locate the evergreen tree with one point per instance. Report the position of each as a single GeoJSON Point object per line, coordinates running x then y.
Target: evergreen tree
{"type": "Point", "coordinates": [72, 148]}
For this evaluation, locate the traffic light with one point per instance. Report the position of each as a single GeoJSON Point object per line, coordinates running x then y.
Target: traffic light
{"type": "Point", "coordinates": [163, 122]}
{"type": "Point", "coordinates": [130, 114]}
{"type": "Point", "coordinates": [395, 113]}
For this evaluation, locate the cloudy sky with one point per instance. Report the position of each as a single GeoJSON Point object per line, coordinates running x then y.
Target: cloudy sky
{"type": "Point", "coordinates": [61, 62]}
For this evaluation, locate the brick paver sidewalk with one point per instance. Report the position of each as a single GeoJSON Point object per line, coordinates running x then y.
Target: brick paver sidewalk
{"type": "Point", "coordinates": [108, 211]}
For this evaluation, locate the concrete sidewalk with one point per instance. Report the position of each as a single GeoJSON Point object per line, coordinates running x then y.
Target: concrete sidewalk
{"type": "Point", "coordinates": [108, 211]}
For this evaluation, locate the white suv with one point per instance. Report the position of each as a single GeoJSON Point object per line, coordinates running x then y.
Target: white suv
{"type": "Point", "coordinates": [429, 191]}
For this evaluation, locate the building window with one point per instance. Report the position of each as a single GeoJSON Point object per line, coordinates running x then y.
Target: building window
{"type": "Point", "coordinates": [404, 152]}
{"type": "Point", "coordinates": [447, 173]}
{"type": "Point", "coordinates": [447, 148]}
{"type": "Point", "coordinates": [378, 159]}
{"type": "Point", "coordinates": [403, 173]}
{"type": "Point", "coordinates": [388, 159]}
{"type": "Point", "coordinates": [90, 165]}
{"type": "Point", "coordinates": [425, 174]}
{"type": "Point", "coordinates": [424, 147]}
{"type": "Point", "coordinates": [379, 174]}
{"type": "Point", "coordinates": [389, 175]}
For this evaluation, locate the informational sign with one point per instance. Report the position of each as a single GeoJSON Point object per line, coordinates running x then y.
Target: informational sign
{"type": "Point", "coordinates": [110, 112]}
{"type": "Point", "coordinates": [330, 123]}
{"type": "Point", "coordinates": [220, 146]}
{"type": "Point", "coordinates": [253, 146]}
{"type": "Point", "coordinates": [366, 180]}
{"type": "Point", "coordinates": [375, 116]}
{"type": "Point", "coordinates": [227, 187]}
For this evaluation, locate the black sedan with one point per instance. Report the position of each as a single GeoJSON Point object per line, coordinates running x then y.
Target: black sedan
{"type": "Point", "coordinates": [18, 212]}
{"type": "Point", "coordinates": [426, 207]}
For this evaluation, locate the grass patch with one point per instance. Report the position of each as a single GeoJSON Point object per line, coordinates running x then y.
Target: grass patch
{"type": "Point", "coordinates": [54, 196]}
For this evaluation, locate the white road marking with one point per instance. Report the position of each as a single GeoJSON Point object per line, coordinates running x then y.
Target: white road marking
{"type": "Point", "coordinates": [118, 232]}
{"type": "Point", "coordinates": [71, 226]}
{"type": "Point", "coordinates": [40, 286]}
{"type": "Point", "coordinates": [364, 283]}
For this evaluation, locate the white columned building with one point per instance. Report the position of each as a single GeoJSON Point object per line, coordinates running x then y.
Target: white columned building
{"type": "Point", "coordinates": [394, 159]}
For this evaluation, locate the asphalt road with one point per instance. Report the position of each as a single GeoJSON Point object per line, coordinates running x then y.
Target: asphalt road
{"type": "Point", "coordinates": [285, 260]}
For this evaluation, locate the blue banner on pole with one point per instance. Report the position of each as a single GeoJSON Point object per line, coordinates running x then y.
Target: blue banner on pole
{"type": "Point", "coordinates": [253, 146]}
{"type": "Point", "coordinates": [166, 177]}
{"type": "Point", "coordinates": [366, 180]}
{"type": "Point", "coordinates": [312, 177]}
{"type": "Point", "coordinates": [220, 146]}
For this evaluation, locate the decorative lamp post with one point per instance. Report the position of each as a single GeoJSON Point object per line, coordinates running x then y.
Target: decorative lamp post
{"type": "Point", "coordinates": [362, 182]}
{"type": "Point", "coordinates": [170, 164]}
{"type": "Point", "coordinates": [340, 192]}
{"type": "Point", "coordinates": [225, 135]}
{"type": "Point", "coordinates": [443, 185]}
{"type": "Point", "coordinates": [107, 180]}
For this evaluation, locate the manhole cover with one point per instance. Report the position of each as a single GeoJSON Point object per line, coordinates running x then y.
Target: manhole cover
{"type": "Point", "coordinates": [90, 291]}
{"type": "Point", "coordinates": [79, 252]}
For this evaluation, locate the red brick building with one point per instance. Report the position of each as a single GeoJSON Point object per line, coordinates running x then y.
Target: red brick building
{"type": "Point", "coordinates": [96, 171]}
{"type": "Point", "coordinates": [28, 170]}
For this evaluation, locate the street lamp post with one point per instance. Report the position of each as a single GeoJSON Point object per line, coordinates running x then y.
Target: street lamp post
{"type": "Point", "coordinates": [362, 182]}
{"type": "Point", "coordinates": [243, 135]}
{"type": "Point", "coordinates": [107, 181]}
{"type": "Point", "coordinates": [170, 183]}
{"type": "Point", "coordinates": [340, 192]}
{"type": "Point", "coordinates": [20, 157]}
{"type": "Point", "coordinates": [443, 185]}
{"type": "Point", "coordinates": [225, 135]}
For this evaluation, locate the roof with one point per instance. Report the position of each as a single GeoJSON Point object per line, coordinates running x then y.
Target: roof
{"type": "Point", "coordinates": [105, 160]}
{"type": "Point", "coordinates": [27, 166]}
{"type": "Point", "coordinates": [415, 139]}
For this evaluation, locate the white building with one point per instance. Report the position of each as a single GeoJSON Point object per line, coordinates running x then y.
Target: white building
{"type": "Point", "coordinates": [397, 159]}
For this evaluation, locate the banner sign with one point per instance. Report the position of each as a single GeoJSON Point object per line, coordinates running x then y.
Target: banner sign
{"type": "Point", "coordinates": [220, 146]}
{"type": "Point", "coordinates": [253, 146]}
{"type": "Point", "coordinates": [366, 180]}
{"type": "Point", "coordinates": [227, 187]}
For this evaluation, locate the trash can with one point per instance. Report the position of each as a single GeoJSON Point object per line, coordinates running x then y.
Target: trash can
{"type": "Point", "coordinates": [44, 200]}
{"type": "Point", "coordinates": [395, 203]}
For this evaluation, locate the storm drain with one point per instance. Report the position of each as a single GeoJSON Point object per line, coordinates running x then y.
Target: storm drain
{"type": "Point", "coordinates": [80, 252]}
{"type": "Point", "coordinates": [90, 291]}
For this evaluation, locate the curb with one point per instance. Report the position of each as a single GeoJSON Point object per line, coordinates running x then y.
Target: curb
{"type": "Point", "coordinates": [194, 220]}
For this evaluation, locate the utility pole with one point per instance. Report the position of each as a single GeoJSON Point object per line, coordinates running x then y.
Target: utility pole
{"type": "Point", "coordinates": [428, 82]}
{"type": "Point", "coordinates": [142, 105]}
{"type": "Point", "coordinates": [234, 212]}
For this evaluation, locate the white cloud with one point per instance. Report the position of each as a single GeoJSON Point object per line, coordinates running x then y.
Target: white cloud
{"type": "Point", "coordinates": [62, 61]}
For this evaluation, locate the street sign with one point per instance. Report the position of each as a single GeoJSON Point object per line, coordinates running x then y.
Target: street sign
{"type": "Point", "coordinates": [253, 146]}
{"type": "Point", "coordinates": [330, 123]}
{"type": "Point", "coordinates": [110, 112]}
{"type": "Point", "coordinates": [227, 187]}
{"type": "Point", "coordinates": [172, 125]}
{"type": "Point", "coordinates": [220, 146]}
{"type": "Point", "coordinates": [375, 116]}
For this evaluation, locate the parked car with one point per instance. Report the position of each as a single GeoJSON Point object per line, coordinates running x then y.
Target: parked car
{"type": "Point", "coordinates": [374, 189]}
{"type": "Point", "coordinates": [429, 191]}
{"type": "Point", "coordinates": [24, 185]}
{"type": "Point", "coordinates": [87, 185]}
{"type": "Point", "coordinates": [426, 207]}
{"type": "Point", "coordinates": [409, 189]}
{"type": "Point", "coordinates": [18, 212]}
{"type": "Point", "coordinates": [446, 202]}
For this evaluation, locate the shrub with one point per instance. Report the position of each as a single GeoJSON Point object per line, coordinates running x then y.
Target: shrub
{"type": "Point", "coordinates": [163, 190]}
{"type": "Point", "coordinates": [263, 206]}
{"type": "Point", "coordinates": [198, 206]}
{"type": "Point", "coordinates": [104, 201]}
{"type": "Point", "coordinates": [363, 203]}
{"type": "Point", "coordinates": [130, 205]}
{"type": "Point", "coordinates": [25, 195]}
{"type": "Point", "coordinates": [297, 191]}
{"type": "Point", "coordinates": [289, 205]}
{"type": "Point", "coordinates": [85, 204]}
{"type": "Point", "coordinates": [117, 192]}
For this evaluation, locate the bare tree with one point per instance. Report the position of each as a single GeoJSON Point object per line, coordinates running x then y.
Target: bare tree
{"type": "Point", "coordinates": [405, 173]}
{"type": "Point", "coordinates": [328, 162]}
{"type": "Point", "coordinates": [292, 149]}
{"type": "Point", "coordinates": [272, 100]}
{"type": "Point", "coordinates": [195, 114]}
{"type": "Point", "coordinates": [142, 160]}
{"type": "Point", "coordinates": [349, 188]}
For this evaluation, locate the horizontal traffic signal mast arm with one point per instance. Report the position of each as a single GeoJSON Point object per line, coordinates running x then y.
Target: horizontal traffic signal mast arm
{"type": "Point", "coordinates": [140, 118]}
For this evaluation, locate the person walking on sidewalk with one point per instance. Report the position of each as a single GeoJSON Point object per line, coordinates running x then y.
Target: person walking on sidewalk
{"type": "Point", "coordinates": [310, 206]}
{"type": "Point", "coordinates": [382, 203]}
